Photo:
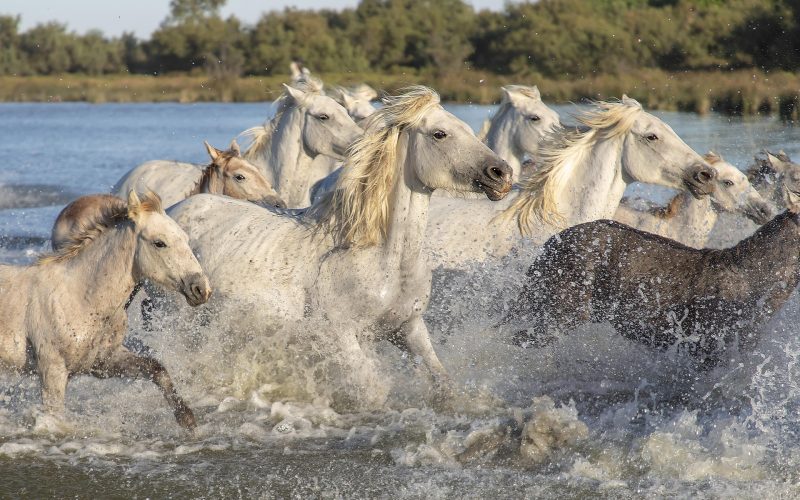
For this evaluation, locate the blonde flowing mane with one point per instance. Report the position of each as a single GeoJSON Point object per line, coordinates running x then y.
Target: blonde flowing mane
{"type": "Point", "coordinates": [112, 212]}
{"type": "Point", "coordinates": [356, 212]}
{"type": "Point", "coordinates": [260, 136]}
{"type": "Point", "coordinates": [559, 155]}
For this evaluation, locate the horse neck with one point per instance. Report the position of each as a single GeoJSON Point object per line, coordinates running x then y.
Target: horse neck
{"type": "Point", "coordinates": [694, 218]}
{"type": "Point", "coordinates": [771, 253]}
{"type": "Point", "coordinates": [210, 182]}
{"type": "Point", "coordinates": [103, 271]}
{"type": "Point", "coordinates": [595, 187]}
{"type": "Point", "coordinates": [499, 140]}
{"type": "Point", "coordinates": [408, 213]}
{"type": "Point", "coordinates": [287, 160]}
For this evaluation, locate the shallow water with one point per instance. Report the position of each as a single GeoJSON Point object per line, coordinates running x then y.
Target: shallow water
{"type": "Point", "coordinates": [610, 418]}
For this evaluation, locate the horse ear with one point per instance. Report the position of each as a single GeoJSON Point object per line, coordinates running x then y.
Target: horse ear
{"type": "Point", "coordinates": [535, 94]}
{"type": "Point", "coordinates": [212, 151]}
{"type": "Point", "coordinates": [629, 101]}
{"type": "Point", "coordinates": [347, 99]}
{"type": "Point", "coordinates": [513, 95]}
{"type": "Point", "coordinates": [234, 147]}
{"type": "Point", "coordinates": [298, 95]}
{"type": "Point", "coordinates": [712, 157]}
{"type": "Point", "coordinates": [776, 163]}
{"type": "Point", "coordinates": [134, 206]}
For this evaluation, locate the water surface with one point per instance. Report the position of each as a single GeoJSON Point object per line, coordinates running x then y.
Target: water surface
{"type": "Point", "coordinates": [654, 426]}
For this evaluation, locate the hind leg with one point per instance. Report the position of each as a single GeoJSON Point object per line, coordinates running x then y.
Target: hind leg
{"type": "Point", "coordinates": [123, 363]}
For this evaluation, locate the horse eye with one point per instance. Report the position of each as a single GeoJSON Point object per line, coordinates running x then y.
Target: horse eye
{"type": "Point", "coordinates": [239, 177]}
{"type": "Point", "coordinates": [534, 118]}
{"type": "Point", "coordinates": [439, 134]}
{"type": "Point", "coordinates": [323, 117]}
{"type": "Point", "coordinates": [159, 244]}
{"type": "Point", "coordinates": [728, 183]}
{"type": "Point", "coordinates": [651, 137]}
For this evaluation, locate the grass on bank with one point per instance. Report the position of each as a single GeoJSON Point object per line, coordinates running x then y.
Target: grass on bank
{"type": "Point", "coordinates": [739, 92]}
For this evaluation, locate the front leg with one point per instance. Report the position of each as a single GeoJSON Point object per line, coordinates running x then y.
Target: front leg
{"type": "Point", "coordinates": [54, 376]}
{"type": "Point", "coordinates": [123, 363]}
{"type": "Point", "coordinates": [413, 337]}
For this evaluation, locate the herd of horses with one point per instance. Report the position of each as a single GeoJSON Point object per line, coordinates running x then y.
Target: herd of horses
{"type": "Point", "coordinates": [337, 211]}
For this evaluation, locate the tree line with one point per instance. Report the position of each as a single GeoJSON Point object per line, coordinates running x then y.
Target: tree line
{"type": "Point", "coordinates": [562, 39]}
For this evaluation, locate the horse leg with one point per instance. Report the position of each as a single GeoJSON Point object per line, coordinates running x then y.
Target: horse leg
{"type": "Point", "coordinates": [123, 363]}
{"type": "Point", "coordinates": [54, 376]}
{"type": "Point", "coordinates": [414, 338]}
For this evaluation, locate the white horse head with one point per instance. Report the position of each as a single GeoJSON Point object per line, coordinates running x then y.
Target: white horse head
{"type": "Point", "coordinates": [584, 172]}
{"type": "Point", "coordinates": [650, 142]}
{"type": "Point", "coordinates": [734, 193]}
{"type": "Point", "coordinates": [412, 138]}
{"type": "Point", "coordinates": [520, 124]}
{"type": "Point", "coordinates": [231, 175]}
{"type": "Point", "coordinates": [162, 251]}
{"type": "Point", "coordinates": [327, 128]}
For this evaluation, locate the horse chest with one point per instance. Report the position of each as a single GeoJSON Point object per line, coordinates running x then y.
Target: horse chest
{"type": "Point", "coordinates": [93, 335]}
{"type": "Point", "coordinates": [372, 289]}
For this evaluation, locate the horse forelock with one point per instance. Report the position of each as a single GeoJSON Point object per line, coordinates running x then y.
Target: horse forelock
{"type": "Point", "coordinates": [559, 155]}
{"type": "Point", "coordinates": [357, 211]}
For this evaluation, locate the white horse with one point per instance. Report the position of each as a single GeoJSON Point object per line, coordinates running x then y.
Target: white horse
{"type": "Point", "coordinates": [228, 174]}
{"type": "Point", "coordinates": [64, 315]}
{"type": "Point", "coordinates": [356, 257]}
{"type": "Point", "coordinates": [307, 124]}
{"type": "Point", "coordinates": [689, 220]}
{"type": "Point", "coordinates": [581, 177]}
{"type": "Point", "coordinates": [359, 108]}
{"type": "Point", "coordinates": [519, 125]}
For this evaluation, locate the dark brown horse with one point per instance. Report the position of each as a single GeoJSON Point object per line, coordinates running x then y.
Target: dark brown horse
{"type": "Point", "coordinates": [656, 291]}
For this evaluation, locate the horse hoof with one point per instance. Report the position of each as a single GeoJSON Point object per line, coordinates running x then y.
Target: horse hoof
{"type": "Point", "coordinates": [185, 417]}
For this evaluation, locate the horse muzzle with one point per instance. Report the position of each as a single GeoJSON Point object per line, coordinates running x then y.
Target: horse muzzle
{"type": "Point", "coordinates": [699, 180]}
{"type": "Point", "coordinates": [271, 202]}
{"type": "Point", "coordinates": [759, 211]}
{"type": "Point", "coordinates": [196, 289]}
{"type": "Point", "coordinates": [495, 180]}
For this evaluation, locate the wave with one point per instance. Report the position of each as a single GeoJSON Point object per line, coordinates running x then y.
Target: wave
{"type": "Point", "coordinates": [34, 195]}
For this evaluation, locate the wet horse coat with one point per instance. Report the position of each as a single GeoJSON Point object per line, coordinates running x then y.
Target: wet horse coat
{"type": "Point", "coordinates": [657, 291]}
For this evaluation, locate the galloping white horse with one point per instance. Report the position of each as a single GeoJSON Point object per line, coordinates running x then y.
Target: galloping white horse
{"type": "Point", "coordinates": [228, 174]}
{"type": "Point", "coordinates": [64, 315]}
{"type": "Point", "coordinates": [582, 177]}
{"type": "Point", "coordinates": [519, 125]}
{"type": "Point", "coordinates": [356, 257]}
{"type": "Point", "coordinates": [689, 220]}
{"type": "Point", "coordinates": [307, 124]}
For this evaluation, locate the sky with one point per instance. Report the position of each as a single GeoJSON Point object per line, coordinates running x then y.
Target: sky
{"type": "Point", "coordinates": [143, 16]}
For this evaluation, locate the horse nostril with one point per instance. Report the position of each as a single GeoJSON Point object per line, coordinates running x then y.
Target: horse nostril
{"type": "Point", "coordinates": [495, 174]}
{"type": "Point", "coordinates": [197, 290]}
{"type": "Point", "coordinates": [703, 176]}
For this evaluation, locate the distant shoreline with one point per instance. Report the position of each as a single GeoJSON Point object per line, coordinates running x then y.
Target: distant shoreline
{"type": "Point", "coordinates": [738, 92]}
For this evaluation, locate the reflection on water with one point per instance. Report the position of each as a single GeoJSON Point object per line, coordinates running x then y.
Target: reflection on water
{"type": "Point", "coordinates": [592, 415]}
